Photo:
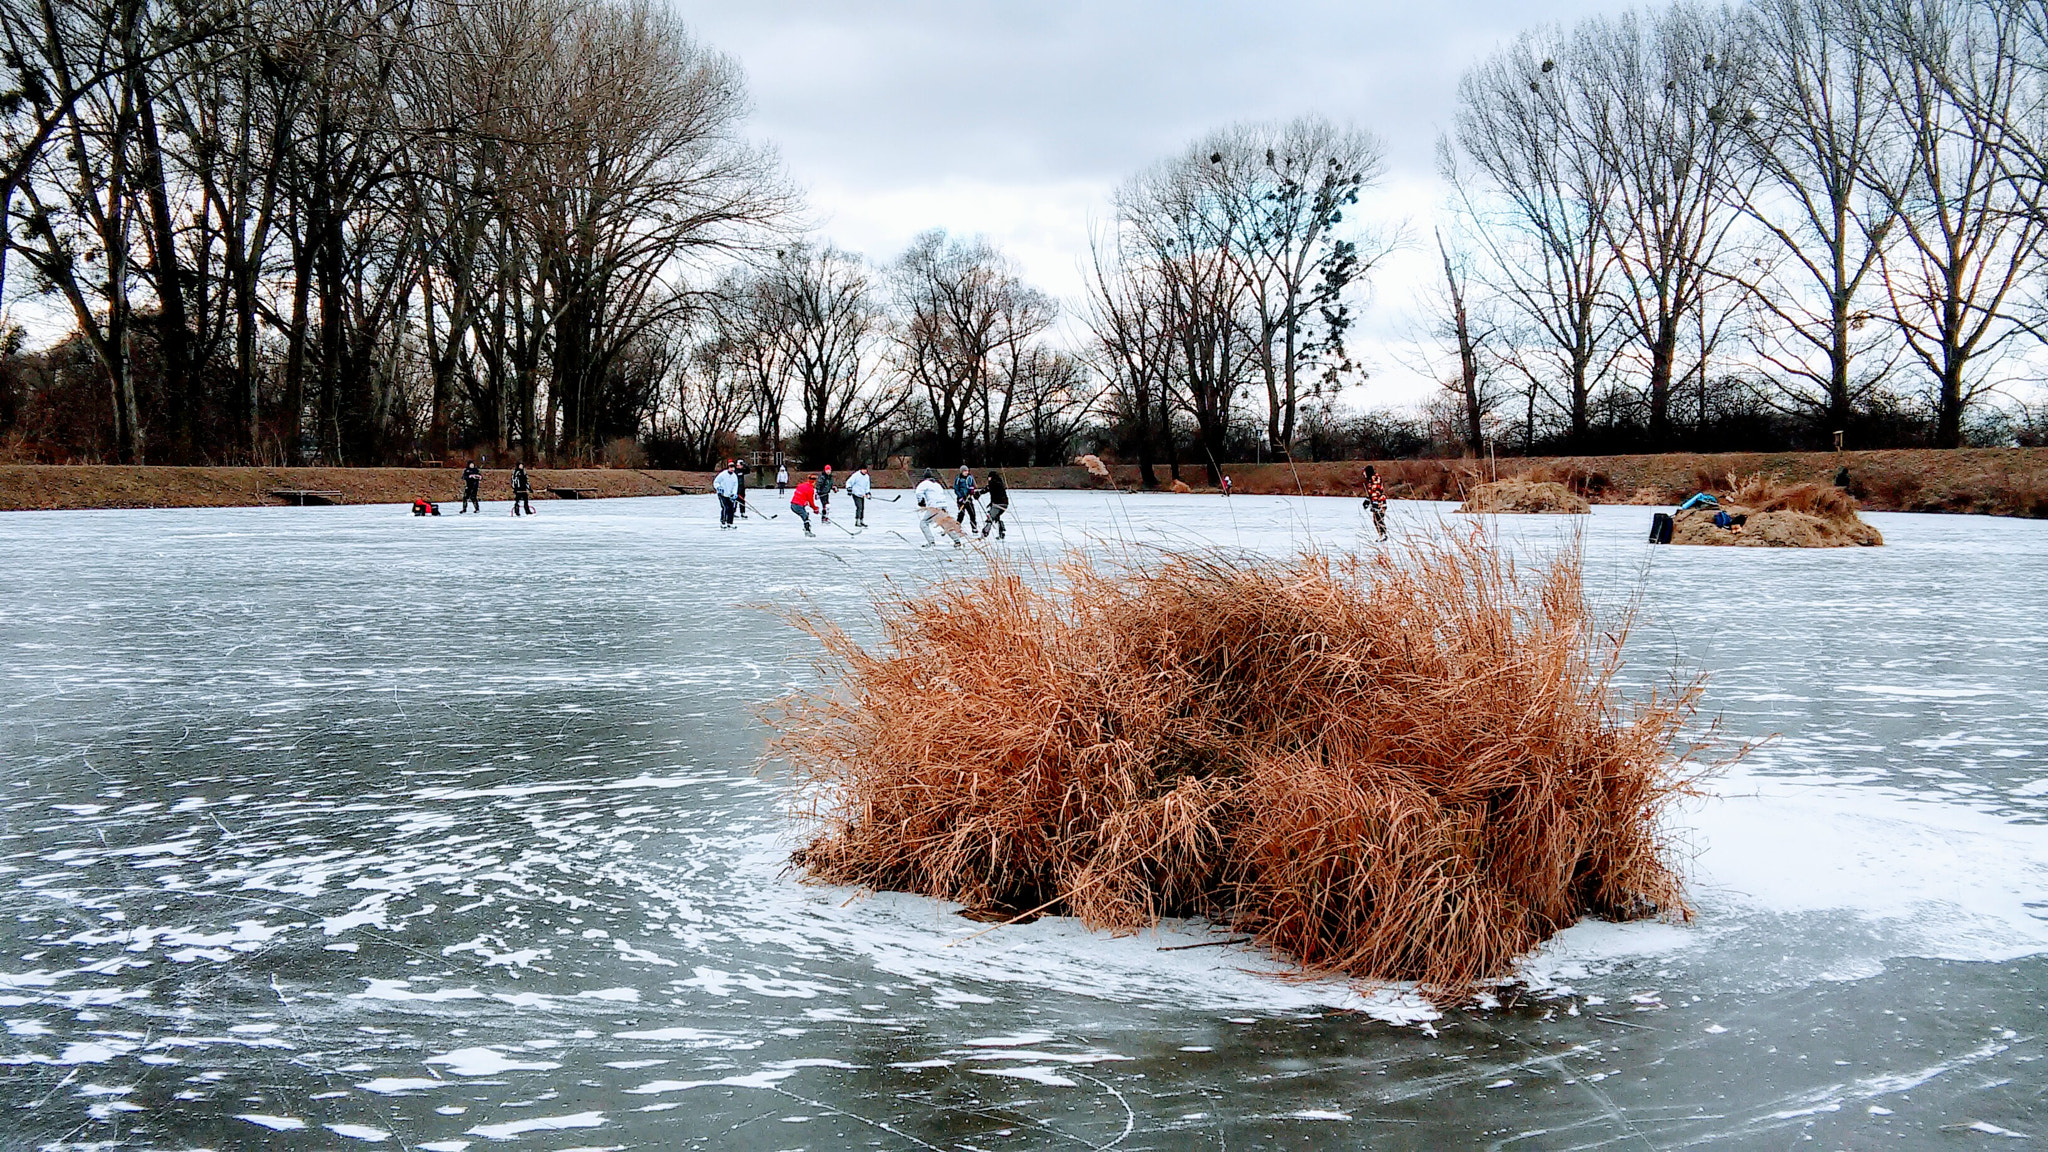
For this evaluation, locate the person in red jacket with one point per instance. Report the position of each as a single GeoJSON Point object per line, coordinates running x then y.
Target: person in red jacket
{"type": "Point", "coordinates": [803, 502]}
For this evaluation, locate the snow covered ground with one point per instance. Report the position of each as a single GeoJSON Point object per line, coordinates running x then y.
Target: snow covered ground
{"type": "Point", "coordinates": [327, 827]}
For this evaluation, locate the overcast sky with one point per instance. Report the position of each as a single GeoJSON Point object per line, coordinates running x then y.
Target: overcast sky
{"type": "Point", "coordinates": [1018, 120]}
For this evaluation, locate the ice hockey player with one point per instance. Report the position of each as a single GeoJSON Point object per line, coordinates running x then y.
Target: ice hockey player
{"type": "Point", "coordinates": [803, 502]}
{"type": "Point", "coordinates": [472, 480]}
{"type": "Point", "coordinates": [931, 505]}
{"type": "Point", "coordinates": [781, 478]}
{"type": "Point", "coordinates": [739, 476]}
{"type": "Point", "coordinates": [1376, 500]}
{"type": "Point", "coordinates": [998, 503]}
{"type": "Point", "coordinates": [727, 485]}
{"type": "Point", "coordinates": [824, 487]}
{"type": "Point", "coordinates": [858, 486]}
{"type": "Point", "coordinates": [963, 497]}
{"type": "Point", "coordinates": [522, 490]}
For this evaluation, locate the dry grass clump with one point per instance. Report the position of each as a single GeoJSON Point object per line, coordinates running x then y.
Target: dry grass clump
{"type": "Point", "coordinates": [1778, 515]}
{"type": "Point", "coordinates": [1413, 766]}
{"type": "Point", "coordinates": [1093, 463]}
{"type": "Point", "coordinates": [1518, 495]}
{"type": "Point", "coordinates": [1182, 487]}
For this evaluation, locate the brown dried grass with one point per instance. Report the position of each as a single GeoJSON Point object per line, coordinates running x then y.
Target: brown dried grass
{"type": "Point", "coordinates": [1412, 767]}
{"type": "Point", "coordinates": [1519, 495]}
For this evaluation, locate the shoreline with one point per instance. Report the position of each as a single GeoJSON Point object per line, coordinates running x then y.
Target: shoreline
{"type": "Point", "coordinates": [1985, 481]}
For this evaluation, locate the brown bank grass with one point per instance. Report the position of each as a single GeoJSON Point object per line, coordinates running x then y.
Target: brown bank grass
{"type": "Point", "coordinates": [1519, 495]}
{"type": "Point", "coordinates": [1409, 767]}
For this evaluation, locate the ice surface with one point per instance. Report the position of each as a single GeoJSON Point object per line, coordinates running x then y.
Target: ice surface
{"type": "Point", "coordinates": [335, 823]}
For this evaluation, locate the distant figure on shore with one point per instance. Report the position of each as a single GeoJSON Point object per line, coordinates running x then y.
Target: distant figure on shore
{"type": "Point", "coordinates": [522, 490]}
{"type": "Point", "coordinates": [727, 485]}
{"type": "Point", "coordinates": [998, 503]}
{"type": "Point", "coordinates": [858, 486]}
{"type": "Point", "coordinates": [781, 478]}
{"type": "Point", "coordinates": [1376, 500]}
{"type": "Point", "coordinates": [803, 502]}
{"type": "Point", "coordinates": [472, 481]}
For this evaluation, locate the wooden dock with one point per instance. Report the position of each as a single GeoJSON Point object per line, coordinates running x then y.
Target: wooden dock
{"type": "Point", "coordinates": [573, 493]}
{"type": "Point", "coordinates": [301, 497]}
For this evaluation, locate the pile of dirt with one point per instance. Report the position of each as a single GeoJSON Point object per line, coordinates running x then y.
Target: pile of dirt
{"type": "Point", "coordinates": [1519, 495]}
{"type": "Point", "coordinates": [1775, 515]}
{"type": "Point", "coordinates": [1415, 766]}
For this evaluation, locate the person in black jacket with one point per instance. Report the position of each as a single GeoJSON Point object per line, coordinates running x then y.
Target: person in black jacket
{"type": "Point", "coordinates": [522, 490]}
{"type": "Point", "coordinates": [472, 479]}
{"type": "Point", "coordinates": [998, 503]}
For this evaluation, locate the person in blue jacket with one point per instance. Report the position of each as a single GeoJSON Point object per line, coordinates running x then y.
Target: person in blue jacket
{"type": "Point", "coordinates": [963, 496]}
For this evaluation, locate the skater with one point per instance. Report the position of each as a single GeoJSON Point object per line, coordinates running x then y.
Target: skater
{"type": "Point", "coordinates": [472, 479]}
{"type": "Point", "coordinates": [963, 497]}
{"type": "Point", "coordinates": [825, 494]}
{"type": "Point", "coordinates": [739, 479]}
{"type": "Point", "coordinates": [858, 486]}
{"type": "Point", "coordinates": [931, 503]}
{"type": "Point", "coordinates": [522, 490]}
{"type": "Point", "coordinates": [727, 485]}
{"type": "Point", "coordinates": [781, 478]}
{"type": "Point", "coordinates": [1226, 487]}
{"type": "Point", "coordinates": [803, 501]}
{"type": "Point", "coordinates": [998, 503]}
{"type": "Point", "coordinates": [1376, 500]}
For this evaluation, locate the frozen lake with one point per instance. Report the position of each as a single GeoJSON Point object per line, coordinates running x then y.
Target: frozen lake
{"type": "Point", "coordinates": [333, 827]}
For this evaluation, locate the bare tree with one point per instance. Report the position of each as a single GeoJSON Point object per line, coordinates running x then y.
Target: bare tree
{"type": "Point", "coordinates": [961, 313]}
{"type": "Point", "coordinates": [1132, 342]}
{"type": "Point", "coordinates": [1284, 190]}
{"type": "Point", "coordinates": [1525, 169]}
{"type": "Point", "coordinates": [1666, 92]}
{"type": "Point", "coordinates": [1968, 238]}
{"type": "Point", "coordinates": [1184, 235]}
{"type": "Point", "coordinates": [1814, 121]}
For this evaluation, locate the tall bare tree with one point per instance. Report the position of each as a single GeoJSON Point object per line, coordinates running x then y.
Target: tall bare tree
{"type": "Point", "coordinates": [1666, 92]}
{"type": "Point", "coordinates": [1526, 170]}
{"type": "Point", "coordinates": [1814, 120]}
{"type": "Point", "coordinates": [1968, 239]}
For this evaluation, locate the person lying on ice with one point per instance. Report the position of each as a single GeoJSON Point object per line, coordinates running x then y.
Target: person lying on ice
{"type": "Point", "coordinates": [931, 505]}
{"type": "Point", "coordinates": [803, 502]}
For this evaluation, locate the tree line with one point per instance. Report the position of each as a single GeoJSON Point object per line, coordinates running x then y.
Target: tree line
{"type": "Point", "coordinates": [1790, 219]}
{"type": "Point", "coordinates": [385, 231]}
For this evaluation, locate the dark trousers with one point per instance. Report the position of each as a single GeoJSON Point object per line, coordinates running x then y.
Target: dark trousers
{"type": "Point", "coordinates": [995, 520]}
{"type": "Point", "coordinates": [966, 515]}
{"type": "Point", "coordinates": [727, 506]}
{"type": "Point", "coordinates": [522, 498]}
{"type": "Point", "coordinates": [860, 511]}
{"type": "Point", "coordinates": [469, 498]}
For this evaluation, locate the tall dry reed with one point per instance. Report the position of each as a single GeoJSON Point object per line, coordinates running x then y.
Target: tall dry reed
{"type": "Point", "coordinates": [1414, 766]}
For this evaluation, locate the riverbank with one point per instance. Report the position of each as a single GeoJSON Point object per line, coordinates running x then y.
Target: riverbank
{"type": "Point", "coordinates": [1992, 481]}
